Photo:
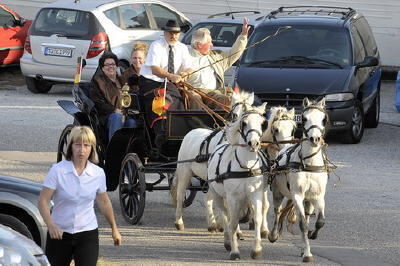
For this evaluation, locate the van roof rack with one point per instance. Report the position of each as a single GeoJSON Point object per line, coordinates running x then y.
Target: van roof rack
{"type": "Point", "coordinates": [345, 12]}
{"type": "Point", "coordinates": [226, 14]}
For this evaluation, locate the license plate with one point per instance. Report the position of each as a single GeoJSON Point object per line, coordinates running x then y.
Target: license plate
{"type": "Point", "coordinates": [297, 118]}
{"type": "Point", "coordinates": [58, 52]}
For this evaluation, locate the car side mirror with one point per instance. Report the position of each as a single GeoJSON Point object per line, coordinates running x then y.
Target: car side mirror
{"type": "Point", "coordinates": [185, 27]}
{"type": "Point", "coordinates": [368, 62]}
{"type": "Point", "coordinates": [20, 22]}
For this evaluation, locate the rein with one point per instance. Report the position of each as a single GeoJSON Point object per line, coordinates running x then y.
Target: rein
{"type": "Point", "coordinates": [279, 30]}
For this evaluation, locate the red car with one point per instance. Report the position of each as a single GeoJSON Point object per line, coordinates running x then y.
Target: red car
{"type": "Point", "coordinates": [13, 31]}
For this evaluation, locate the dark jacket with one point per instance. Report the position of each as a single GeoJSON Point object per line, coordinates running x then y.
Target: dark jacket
{"type": "Point", "coordinates": [131, 77]}
{"type": "Point", "coordinates": [106, 95]}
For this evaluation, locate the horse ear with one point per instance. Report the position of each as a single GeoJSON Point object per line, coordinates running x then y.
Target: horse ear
{"type": "Point", "coordinates": [292, 113]}
{"type": "Point", "coordinates": [251, 98]}
{"type": "Point", "coordinates": [322, 102]}
{"type": "Point", "coordinates": [306, 102]}
{"type": "Point", "coordinates": [263, 107]}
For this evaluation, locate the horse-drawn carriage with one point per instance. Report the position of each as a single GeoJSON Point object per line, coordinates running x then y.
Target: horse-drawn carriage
{"type": "Point", "coordinates": [131, 152]}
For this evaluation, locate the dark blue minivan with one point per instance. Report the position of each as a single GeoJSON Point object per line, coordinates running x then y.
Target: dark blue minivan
{"type": "Point", "coordinates": [316, 52]}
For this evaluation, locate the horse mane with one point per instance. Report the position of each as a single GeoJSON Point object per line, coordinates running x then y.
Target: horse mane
{"type": "Point", "coordinates": [242, 97]}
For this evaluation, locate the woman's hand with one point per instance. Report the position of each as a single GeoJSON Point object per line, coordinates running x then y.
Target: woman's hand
{"type": "Point", "coordinates": [116, 237]}
{"type": "Point", "coordinates": [55, 232]}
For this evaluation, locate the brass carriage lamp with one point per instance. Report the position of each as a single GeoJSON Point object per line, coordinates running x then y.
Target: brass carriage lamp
{"type": "Point", "coordinates": [125, 96]}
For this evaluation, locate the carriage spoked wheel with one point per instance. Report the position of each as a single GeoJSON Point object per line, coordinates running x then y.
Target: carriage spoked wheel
{"type": "Point", "coordinates": [62, 143]}
{"type": "Point", "coordinates": [190, 193]}
{"type": "Point", "coordinates": [132, 188]}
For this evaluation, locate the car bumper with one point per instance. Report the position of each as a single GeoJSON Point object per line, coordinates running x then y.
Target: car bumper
{"type": "Point", "coordinates": [56, 73]}
{"type": "Point", "coordinates": [340, 119]}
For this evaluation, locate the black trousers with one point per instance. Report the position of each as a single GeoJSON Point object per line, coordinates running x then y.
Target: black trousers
{"type": "Point", "coordinates": [83, 247]}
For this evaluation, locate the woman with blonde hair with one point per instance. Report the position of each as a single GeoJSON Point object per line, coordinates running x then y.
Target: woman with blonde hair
{"type": "Point", "coordinates": [73, 185]}
{"type": "Point", "coordinates": [138, 57]}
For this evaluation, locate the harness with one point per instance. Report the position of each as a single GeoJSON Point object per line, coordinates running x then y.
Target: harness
{"type": "Point", "coordinates": [249, 172]}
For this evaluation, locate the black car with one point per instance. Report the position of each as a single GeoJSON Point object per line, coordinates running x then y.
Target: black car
{"type": "Point", "coordinates": [18, 208]}
{"type": "Point", "coordinates": [316, 52]}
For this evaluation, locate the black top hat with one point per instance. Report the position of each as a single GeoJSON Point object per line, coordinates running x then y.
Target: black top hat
{"type": "Point", "coordinates": [171, 26]}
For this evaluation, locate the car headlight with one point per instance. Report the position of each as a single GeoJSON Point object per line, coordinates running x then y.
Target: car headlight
{"type": "Point", "coordinates": [339, 97]}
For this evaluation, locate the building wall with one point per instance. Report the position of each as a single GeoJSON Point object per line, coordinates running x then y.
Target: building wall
{"type": "Point", "coordinates": [383, 15]}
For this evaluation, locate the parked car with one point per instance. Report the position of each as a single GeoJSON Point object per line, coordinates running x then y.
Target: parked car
{"type": "Point", "coordinates": [65, 30]}
{"type": "Point", "coordinates": [13, 31]}
{"type": "Point", "coordinates": [327, 52]}
{"type": "Point", "coordinates": [225, 28]}
{"type": "Point", "coordinates": [17, 249]}
{"type": "Point", "coordinates": [18, 208]}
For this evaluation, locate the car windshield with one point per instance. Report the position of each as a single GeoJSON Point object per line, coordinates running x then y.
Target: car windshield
{"type": "Point", "coordinates": [313, 46]}
{"type": "Point", "coordinates": [222, 34]}
{"type": "Point", "coordinates": [64, 22]}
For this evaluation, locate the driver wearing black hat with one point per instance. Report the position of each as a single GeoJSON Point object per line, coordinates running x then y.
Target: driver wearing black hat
{"type": "Point", "coordinates": [167, 59]}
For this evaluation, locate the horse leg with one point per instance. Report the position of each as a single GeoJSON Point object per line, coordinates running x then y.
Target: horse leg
{"type": "Point", "coordinates": [320, 205]}
{"type": "Point", "coordinates": [233, 210]}
{"type": "Point", "coordinates": [183, 178]}
{"type": "Point", "coordinates": [219, 203]}
{"type": "Point", "coordinates": [265, 207]}
{"type": "Point", "coordinates": [211, 220]}
{"type": "Point", "coordinates": [277, 201]}
{"type": "Point", "coordinates": [298, 203]}
{"type": "Point", "coordinates": [258, 219]}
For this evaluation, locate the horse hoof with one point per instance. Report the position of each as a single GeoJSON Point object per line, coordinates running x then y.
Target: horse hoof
{"type": "Point", "coordinates": [220, 229]}
{"type": "Point", "coordinates": [240, 236]}
{"type": "Point", "coordinates": [227, 246]}
{"type": "Point", "coordinates": [234, 256]}
{"type": "Point", "coordinates": [255, 254]}
{"type": "Point", "coordinates": [307, 259]}
{"type": "Point", "coordinates": [264, 234]}
{"type": "Point", "coordinates": [212, 229]}
{"type": "Point", "coordinates": [179, 227]}
{"type": "Point", "coordinates": [312, 235]}
{"type": "Point", "coordinates": [272, 238]}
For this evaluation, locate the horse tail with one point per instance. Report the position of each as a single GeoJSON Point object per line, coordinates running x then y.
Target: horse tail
{"type": "Point", "coordinates": [173, 188]}
{"type": "Point", "coordinates": [288, 212]}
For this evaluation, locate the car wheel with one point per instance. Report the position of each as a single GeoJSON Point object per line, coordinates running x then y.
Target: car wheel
{"type": "Point", "coordinates": [372, 117]}
{"type": "Point", "coordinates": [38, 86]}
{"type": "Point", "coordinates": [354, 134]}
{"type": "Point", "coordinates": [15, 224]}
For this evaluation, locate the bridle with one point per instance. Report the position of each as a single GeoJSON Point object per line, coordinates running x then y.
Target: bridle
{"type": "Point", "coordinates": [307, 130]}
{"type": "Point", "coordinates": [232, 116]}
{"type": "Point", "coordinates": [241, 127]}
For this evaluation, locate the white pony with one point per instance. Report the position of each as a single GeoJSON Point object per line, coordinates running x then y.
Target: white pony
{"type": "Point", "coordinates": [279, 134]}
{"type": "Point", "coordinates": [235, 172]}
{"type": "Point", "coordinates": [201, 141]}
{"type": "Point", "coordinates": [304, 181]}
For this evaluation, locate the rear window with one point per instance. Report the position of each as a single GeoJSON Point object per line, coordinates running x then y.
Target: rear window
{"type": "Point", "coordinates": [222, 34]}
{"type": "Point", "coordinates": [65, 22]}
{"type": "Point", "coordinates": [317, 42]}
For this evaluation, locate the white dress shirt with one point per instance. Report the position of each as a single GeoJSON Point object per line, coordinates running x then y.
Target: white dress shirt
{"type": "Point", "coordinates": [74, 195]}
{"type": "Point", "coordinates": [158, 56]}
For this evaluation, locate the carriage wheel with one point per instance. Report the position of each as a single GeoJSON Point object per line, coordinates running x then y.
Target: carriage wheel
{"type": "Point", "coordinates": [62, 143]}
{"type": "Point", "coordinates": [132, 188]}
{"type": "Point", "coordinates": [190, 194]}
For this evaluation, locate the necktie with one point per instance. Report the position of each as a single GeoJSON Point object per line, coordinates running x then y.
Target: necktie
{"type": "Point", "coordinates": [171, 60]}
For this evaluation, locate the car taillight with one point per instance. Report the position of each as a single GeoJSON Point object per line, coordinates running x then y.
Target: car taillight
{"type": "Point", "coordinates": [97, 45]}
{"type": "Point", "coordinates": [28, 44]}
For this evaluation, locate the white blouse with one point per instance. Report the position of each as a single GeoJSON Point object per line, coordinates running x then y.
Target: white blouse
{"type": "Point", "coordinates": [74, 195]}
{"type": "Point", "coordinates": [158, 56]}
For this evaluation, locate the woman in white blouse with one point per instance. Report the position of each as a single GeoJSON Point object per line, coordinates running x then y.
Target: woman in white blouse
{"type": "Point", "coordinates": [73, 185]}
